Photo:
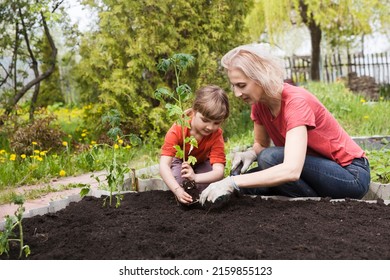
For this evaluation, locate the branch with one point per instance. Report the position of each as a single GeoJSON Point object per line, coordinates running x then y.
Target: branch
{"type": "Point", "coordinates": [2, 82]}
{"type": "Point", "coordinates": [56, 6]}
{"type": "Point", "coordinates": [44, 75]}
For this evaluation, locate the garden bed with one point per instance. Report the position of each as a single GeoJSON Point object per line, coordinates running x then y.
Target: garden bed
{"type": "Point", "coordinates": [149, 225]}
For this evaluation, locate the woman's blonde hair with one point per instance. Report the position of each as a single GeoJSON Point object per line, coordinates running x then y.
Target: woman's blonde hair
{"type": "Point", "coordinates": [212, 102]}
{"type": "Point", "coordinates": [258, 64]}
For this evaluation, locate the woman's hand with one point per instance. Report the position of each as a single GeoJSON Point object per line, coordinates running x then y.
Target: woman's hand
{"type": "Point", "coordinates": [220, 190]}
{"type": "Point", "coordinates": [187, 171]}
{"type": "Point", "coordinates": [247, 158]}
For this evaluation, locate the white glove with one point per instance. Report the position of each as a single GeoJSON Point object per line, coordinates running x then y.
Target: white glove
{"type": "Point", "coordinates": [216, 190]}
{"type": "Point", "coordinates": [247, 158]}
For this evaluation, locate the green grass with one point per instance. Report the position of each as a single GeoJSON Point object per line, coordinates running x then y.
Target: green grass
{"type": "Point", "coordinates": [357, 116]}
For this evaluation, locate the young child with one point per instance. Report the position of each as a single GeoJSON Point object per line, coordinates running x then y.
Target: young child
{"type": "Point", "coordinates": [209, 109]}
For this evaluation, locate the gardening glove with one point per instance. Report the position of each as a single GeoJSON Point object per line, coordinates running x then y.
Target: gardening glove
{"type": "Point", "coordinates": [246, 158]}
{"type": "Point", "coordinates": [218, 191]}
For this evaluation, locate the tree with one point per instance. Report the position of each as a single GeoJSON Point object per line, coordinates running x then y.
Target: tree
{"type": "Point", "coordinates": [340, 20]}
{"type": "Point", "coordinates": [23, 25]}
{"type": "Point", "coordinates": [50, 88]}
{"type": "Point", "coordinates": [118, 66]}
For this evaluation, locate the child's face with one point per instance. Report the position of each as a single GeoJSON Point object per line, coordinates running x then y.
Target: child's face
{"type": "Point", "coordinates": [204, 126]}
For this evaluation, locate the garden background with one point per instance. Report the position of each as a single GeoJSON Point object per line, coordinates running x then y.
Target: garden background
{"type": "Point", "coordinates": [77, 101]}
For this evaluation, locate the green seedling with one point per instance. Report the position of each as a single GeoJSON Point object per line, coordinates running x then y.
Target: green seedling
{"type": "Point", "coordinates": [115, 177]}
{"type": "Point", "coordinates": [182, 93]}
{"type": "Point", "coordinates": [8, 235]}
{"type": "Point", "coordinates": [380, 165]}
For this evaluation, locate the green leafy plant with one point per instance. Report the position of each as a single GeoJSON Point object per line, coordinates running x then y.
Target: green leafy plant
{"type": "Point", "coordinates": [182, 93]}
{"type": "Point", "coordinates": [380, 165]}
{"type": "Point", "coordinates": [8, 234]}
{"type": "Point", "coordinates": [116, 171]}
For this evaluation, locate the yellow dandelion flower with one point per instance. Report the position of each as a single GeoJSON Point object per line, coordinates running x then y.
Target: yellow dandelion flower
{"type": "Point", "coordinates": [83, 134]}
{"type": "Point", "coordinates": [116, 146]}
{"type": "Point", "coordinates": [23, 156]}
{"type": "Point", "coordinates": [93, 142]}
{"type": "Point", "coordinates": [12, 157]}
{"type": "Point", "coordinates": [2, 152]}
{"type": "Point", "coordinates": [120, 141]}
{"type": "Point", "coordinates": [39, 158]}
{"type": "Point", "coordinates": [128, 147]}
{"type": "Point", "coordinates": [62, 173]}
{"type": "Point", "coordinates": [362, 100]}
{"type": "Point", "coordinates": [36, 152]}
{"type": "Point", "coordinates": [366, 117]}
{"type": "Point", "coordinates": [43, 153]}
{"type": "Point", "coordinates": [34, 143]}
{"type": "Point", "coordinates": [64, 143]}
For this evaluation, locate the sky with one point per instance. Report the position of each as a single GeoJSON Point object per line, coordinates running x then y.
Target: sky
{"type": "Point", "coordinates": [78, 14]}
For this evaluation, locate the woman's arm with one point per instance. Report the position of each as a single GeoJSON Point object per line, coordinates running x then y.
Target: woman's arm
{"type": "Point", "coordinates": [288, 171]}
{"type": "Point", "coordinates": [261, 138]}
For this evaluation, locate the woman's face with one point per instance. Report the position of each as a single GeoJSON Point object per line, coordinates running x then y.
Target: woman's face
{"type": "Point", "coordinates": [244, 87]}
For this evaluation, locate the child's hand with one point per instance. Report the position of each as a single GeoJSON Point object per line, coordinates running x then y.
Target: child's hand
{"type": "Point", "coordinates": [187, 171]}
{"type": "Point", "coordinates": [182, 196]}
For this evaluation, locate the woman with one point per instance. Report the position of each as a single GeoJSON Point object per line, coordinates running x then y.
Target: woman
{"type": "Point", "coordinates": [312, 154]}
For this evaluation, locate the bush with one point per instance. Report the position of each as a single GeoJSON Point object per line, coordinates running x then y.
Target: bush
{"type": "Point", "coordinates": [42, 131]}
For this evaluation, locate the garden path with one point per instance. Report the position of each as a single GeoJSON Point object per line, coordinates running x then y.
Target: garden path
{"type": "Point", "coordinates": [9, 209]}
{"type": "Point", "coordinates": [84, 179]}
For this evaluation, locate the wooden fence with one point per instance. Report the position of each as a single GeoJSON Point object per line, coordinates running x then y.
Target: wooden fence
{"type": "Point", "coordinates": [336, 66]}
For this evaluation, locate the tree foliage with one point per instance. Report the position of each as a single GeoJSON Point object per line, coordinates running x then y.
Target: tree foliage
{"type": "Point", "coordinates": [28, 53]}
{"type": "Point", "coordinates": [340, 20]}
{"type": "Point", "coordinates": [118, 66]}
{"type": "Point", "coordinates": [22, 22]}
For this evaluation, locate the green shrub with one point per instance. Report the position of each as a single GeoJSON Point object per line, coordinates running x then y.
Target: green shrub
{"type": "Point", "coordinates": [43, 132]}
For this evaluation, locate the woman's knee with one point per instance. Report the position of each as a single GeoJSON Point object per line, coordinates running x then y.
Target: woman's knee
{"type": "Point", "coordinates": [270, 157]}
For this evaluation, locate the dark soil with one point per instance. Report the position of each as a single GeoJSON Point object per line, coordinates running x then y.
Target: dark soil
{"type": "Point", "coordinates": [150, 225]}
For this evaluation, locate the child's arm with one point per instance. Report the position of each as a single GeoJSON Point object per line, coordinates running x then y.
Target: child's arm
{"type": "Point", "coordinates": [169, 179]}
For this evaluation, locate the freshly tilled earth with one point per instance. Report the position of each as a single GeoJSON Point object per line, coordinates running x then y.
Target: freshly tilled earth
{"type": "Point", "coordinates": [150, 225]}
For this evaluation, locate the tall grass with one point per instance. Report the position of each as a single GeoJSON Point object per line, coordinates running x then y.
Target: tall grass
{"type": "Point", "coordinates": [357, 116]}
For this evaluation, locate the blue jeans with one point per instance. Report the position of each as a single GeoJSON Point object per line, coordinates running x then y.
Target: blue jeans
{"type": "Point", "coordinates": [320, 177]}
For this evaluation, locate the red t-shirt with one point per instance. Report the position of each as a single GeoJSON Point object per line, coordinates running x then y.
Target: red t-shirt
{"type": "Point", "coordinates": [210, 147]}
{"type": "Point", "coordinates": [325, 135]}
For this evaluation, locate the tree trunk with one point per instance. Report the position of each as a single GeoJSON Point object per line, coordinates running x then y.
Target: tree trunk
{"type": "Point", "coordinates": [38, 77]}
{"type": "Point", "coordinates": [315, 37]}
{"type": "Point", "coordinates": [315, 34]}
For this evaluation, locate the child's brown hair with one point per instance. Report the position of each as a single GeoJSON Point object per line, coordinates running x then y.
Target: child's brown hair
{"type": "Point", "coordinates": [212, 102]}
